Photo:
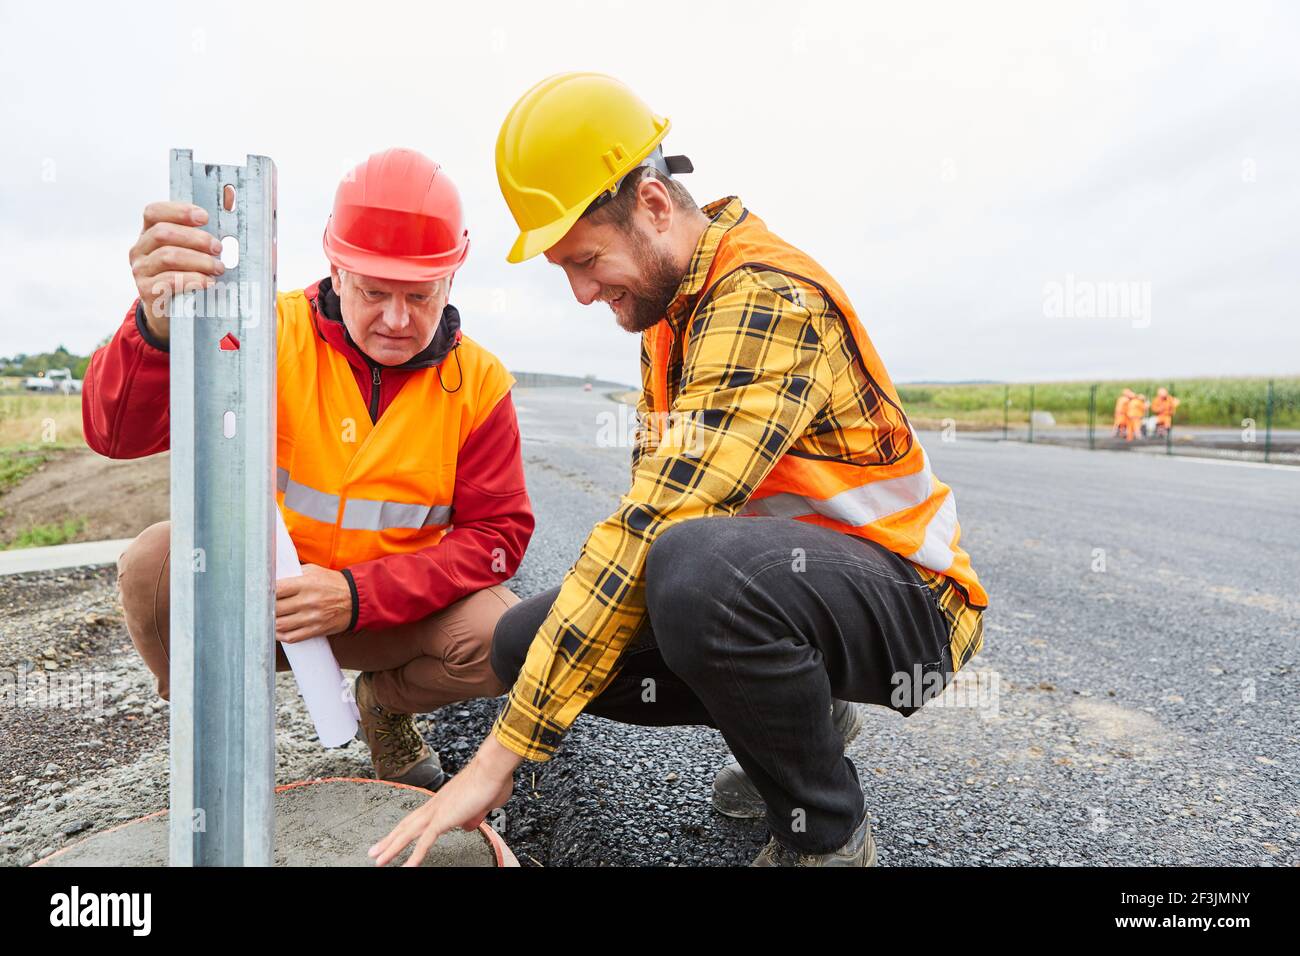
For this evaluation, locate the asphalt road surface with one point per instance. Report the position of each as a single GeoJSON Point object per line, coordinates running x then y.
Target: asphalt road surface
{"type": "Point", "coordinates": [1135, 702]}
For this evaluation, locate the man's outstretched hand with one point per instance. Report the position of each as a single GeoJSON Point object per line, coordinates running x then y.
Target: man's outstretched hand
{"type": "Point", "coordinates": [464, 801]}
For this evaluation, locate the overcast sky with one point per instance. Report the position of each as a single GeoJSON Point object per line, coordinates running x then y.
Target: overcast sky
{"type": "Point", "coordinates": [953, 165]}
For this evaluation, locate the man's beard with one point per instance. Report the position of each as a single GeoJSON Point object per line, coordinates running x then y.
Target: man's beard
{"type": "Point", "coordinates": [660, 279]}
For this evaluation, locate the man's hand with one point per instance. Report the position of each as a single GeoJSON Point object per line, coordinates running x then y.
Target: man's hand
{"type": "Point", "coordinates": [172, 256]}
{"type": "Point", "coordinates": [464, 801]}
{"type": "Point", "coordinates": [317, 604]}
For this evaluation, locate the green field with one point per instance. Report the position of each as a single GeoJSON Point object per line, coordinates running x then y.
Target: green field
{"type": "Point", "coordinates": [1222, 402]}
{"type": "Point", "coordinates": [36, 419]}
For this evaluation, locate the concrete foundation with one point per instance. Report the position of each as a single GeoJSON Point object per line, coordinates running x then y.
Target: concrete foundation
{"type": "Point", "coordinates": [328, 822]}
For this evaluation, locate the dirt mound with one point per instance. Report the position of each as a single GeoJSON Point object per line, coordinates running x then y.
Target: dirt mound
{"type": "Point", "coordinates": [110, 499]}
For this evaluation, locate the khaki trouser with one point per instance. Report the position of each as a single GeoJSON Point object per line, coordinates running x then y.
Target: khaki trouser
{"type": "Point", "coordinates": [417, 667]}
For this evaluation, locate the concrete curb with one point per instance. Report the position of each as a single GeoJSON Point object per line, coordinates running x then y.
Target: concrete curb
{"type": "Point", "coordinates": [83, 554]}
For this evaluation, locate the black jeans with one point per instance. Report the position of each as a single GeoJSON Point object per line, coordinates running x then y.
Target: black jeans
{"type": "Point", "coordinates": [754, 625]}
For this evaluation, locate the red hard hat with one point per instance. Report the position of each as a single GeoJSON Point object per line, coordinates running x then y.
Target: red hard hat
{"type": "Point", "coordinates": [397, 216]}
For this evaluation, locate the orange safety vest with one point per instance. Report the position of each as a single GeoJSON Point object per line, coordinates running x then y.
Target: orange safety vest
{"type": "Point", "coordinates": [1165, 414]}
{"type": "Point", "coordinates": [896, 502]}
{"type": "Point", "coordinates": [351, 490]}
{"type": "Point", "coordinates": [1121, 409]}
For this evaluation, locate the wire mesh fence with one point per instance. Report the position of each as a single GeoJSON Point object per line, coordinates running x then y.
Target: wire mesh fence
{"type": "Point", "coordinates": [1249, 419]}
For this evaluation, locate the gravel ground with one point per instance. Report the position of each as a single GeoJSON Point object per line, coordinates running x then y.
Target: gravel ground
{"type": "Point", "coordinates": [1140, 654]}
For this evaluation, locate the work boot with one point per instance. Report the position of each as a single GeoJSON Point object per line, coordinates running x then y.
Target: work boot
{"type": "Point", "coordinates": [735, 796]}
{"type": "Point", "coordinates": [860, 850]}
{"type": "Point", "coordinates": [397, 750]}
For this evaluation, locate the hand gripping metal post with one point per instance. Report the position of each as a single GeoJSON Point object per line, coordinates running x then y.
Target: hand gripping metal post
{"type": "Point", "coordinates": [223, 534]}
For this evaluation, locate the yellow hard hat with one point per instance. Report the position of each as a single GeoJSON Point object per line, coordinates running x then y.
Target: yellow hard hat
{"type": "Point", "coordinates": [566, 141]}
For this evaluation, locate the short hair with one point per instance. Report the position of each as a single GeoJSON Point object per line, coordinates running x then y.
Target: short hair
{"type": "Point", "coordinates": [619, 209]}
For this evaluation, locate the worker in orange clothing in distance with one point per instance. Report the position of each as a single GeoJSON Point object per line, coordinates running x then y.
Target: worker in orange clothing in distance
{"type": "Point", "coordinates": [1163, 407]}
{"type": "Point", "coordinates": [1121, 412]}
{"type": "Point", "coordinates": [1136, 409]}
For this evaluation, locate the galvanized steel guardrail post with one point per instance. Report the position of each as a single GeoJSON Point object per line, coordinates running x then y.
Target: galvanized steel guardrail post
{"type": "Point", "coordinates": [223, 402]}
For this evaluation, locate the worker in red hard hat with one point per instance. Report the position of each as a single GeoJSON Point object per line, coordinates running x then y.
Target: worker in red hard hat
{"type": "Point", "coordinates": [389, 421]}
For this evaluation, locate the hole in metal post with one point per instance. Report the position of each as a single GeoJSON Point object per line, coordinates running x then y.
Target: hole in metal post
{"type": "Point", "coordinates": [228, 198]}
{"type": "Point", "coordinates": [230, 252]}
{"type": "Point", "coordinates": [228, 424]}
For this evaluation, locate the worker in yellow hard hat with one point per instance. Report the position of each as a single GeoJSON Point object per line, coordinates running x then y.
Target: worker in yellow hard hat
{"type": "Point", "coordinates": [781, 506]}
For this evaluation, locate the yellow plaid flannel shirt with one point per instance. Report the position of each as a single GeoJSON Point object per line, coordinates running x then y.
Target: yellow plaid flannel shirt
{"type": "Point", "coordinates": [769, 367]}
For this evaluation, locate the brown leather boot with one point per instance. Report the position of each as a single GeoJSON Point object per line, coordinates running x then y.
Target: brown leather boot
{"type": "Point", "coordinates": [397, 750]}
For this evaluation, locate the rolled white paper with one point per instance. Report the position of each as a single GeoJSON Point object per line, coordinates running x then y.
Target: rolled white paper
{"type": "Point", "coordinates": [325, 691]}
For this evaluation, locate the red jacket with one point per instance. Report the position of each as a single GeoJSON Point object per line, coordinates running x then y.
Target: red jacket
{"type": "Point", "coordinates": [125, 414]}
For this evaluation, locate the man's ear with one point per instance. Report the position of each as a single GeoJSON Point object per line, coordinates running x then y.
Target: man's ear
{"type": "Point", "coordinates": [336, 278]}
{"type": "Point", "coordinates": [653, 196]}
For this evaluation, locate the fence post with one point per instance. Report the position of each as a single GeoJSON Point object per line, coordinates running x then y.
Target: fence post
{"type": "Point", "coordinates": [1268, 422]}
{"type": "Point", "coordinates": [1006, 410]}
{"type": "Point", "coordinates": [1031, 414]}
{"type": "Point", "coordinates": [1092, 416]}
{"type": "Point", "coordinates": [1169, 432]}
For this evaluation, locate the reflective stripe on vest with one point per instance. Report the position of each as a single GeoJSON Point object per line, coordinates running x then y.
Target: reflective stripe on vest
{"type": "Point", "coordinates": [359, 514]}
{"type": "Point", "coordinates": [867, 504]}
{"type": "Point", "coordinates": [857, 506]}
{"type": "Point", "coordinates": [365, 514]}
